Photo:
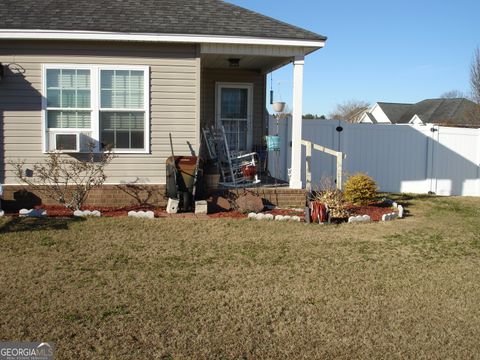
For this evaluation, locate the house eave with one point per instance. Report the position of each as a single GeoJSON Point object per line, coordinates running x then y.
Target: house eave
{"type": "Point", "coordinates": [22, 34]}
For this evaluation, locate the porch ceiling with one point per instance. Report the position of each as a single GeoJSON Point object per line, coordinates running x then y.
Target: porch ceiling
{"type": "Point", "coordinates": [264, 58]}
{"type": "Point", "coordinates": [264, 64]}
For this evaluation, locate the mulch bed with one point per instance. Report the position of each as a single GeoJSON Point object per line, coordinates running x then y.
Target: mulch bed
{"type": "Point", "coordinates": [284, 212]}
{"type": "Point", "coordinates": [228, 214]}
{"type": "Point", "coordinates": [61, 211]}
{"type": "Point", "coordinates": [375, 211]}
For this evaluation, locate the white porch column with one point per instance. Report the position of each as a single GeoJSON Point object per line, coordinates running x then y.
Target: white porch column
{"type": "Point", "coordinates": [296, 175]}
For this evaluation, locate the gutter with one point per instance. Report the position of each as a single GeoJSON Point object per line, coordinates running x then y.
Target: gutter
{"type": "Point", "coordinates": [22, 34]}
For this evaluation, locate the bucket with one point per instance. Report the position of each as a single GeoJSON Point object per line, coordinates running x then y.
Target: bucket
{"type": "Point", "coordinates": [273, 142]}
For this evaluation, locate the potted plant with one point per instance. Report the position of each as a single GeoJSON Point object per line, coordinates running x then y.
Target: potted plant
{"type": "Point", "coordinates": [278, 106]}
{"type": "Point", "coordinates": [249, 171]}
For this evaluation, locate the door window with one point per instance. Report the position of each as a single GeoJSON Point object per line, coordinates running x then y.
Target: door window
{"type": "Point", "coordinates": [234, 115]}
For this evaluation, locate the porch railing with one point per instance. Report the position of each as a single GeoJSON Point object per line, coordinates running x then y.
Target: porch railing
{"type": "Point", "coordinates": [308, 164]}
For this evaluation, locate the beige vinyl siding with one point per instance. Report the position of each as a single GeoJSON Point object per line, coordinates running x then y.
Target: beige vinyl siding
{"type": "Point", "coordinates": [174, 95]}
{"type": "Point", "coordinates": [211, 76]}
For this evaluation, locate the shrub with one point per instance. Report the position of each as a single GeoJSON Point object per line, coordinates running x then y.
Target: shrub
{"type": "Point", "coordinates": [360, 189]}
{"type": "Point", "coordinates": [333, 198]}
{"type": "Point", "coordinates": [335, 201]}
{"type": "Point", "coordinates": [66, 179]}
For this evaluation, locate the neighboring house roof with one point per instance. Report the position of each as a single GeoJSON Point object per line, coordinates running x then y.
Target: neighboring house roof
{"type": "Point", "coordinates": [189, 17]}
{"type": "Point", "coordinates": [449, 112]}
{"type": "Point", "coordinates": [394, 111]}
{"type": "Point", "coordinates": [442, 112]}
{"type": "Point", "coordinates": [371, 117]}
{"type": "Point", "coordinates": [357, 114]}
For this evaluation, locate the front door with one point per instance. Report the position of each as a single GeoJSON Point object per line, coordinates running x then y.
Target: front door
{"type": "Point", "coordinates": [234, 113]}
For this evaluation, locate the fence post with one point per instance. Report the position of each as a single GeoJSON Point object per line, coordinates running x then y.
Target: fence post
{"type": "Point", "coordinates": [308, 164]}
{"type": "Point", "coordinates": [339, 170]}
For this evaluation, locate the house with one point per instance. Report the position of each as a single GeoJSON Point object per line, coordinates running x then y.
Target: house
{"type": "Point", "coordinates": [128, 73]}
{"type": "Point", "coordinates": [447, 112]}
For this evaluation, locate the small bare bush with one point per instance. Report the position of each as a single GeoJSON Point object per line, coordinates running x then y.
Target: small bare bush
{"type": "Point", "coordinates": [142, 193]}
{"type": "Point", "coordinates": [65, 179]}
{"type": "Point", "coordinates": [360, 189]}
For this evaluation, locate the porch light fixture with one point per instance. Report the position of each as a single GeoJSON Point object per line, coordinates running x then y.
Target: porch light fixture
{"type": "Point", "coordinates": [233, 62]}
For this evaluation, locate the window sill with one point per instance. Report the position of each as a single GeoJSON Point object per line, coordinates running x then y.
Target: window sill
{"type": "Point", "coordinates": [130, 152]}
{"type": "Point", "coordinates": [117, 152]}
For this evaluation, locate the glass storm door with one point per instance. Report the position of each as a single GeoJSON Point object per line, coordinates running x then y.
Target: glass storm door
{"type": "Point", "coordinates": [234, 107]}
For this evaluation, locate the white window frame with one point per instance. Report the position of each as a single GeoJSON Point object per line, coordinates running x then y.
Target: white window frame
{"type": "Point", "coordinates": [95, 104]}
{"type": "Point", "coordinates": [231, 85]}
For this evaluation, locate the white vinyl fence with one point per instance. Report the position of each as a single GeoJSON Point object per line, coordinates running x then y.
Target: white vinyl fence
{"type": "Point", "coordinates": [400, 158]}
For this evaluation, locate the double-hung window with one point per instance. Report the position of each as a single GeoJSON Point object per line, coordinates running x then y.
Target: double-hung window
{"type": "Point", "coordinates": [122, 114]}
{"type": "Point", "coordinates": [105, 105]}
{"type": "Point", "coordinates": [68, 99]}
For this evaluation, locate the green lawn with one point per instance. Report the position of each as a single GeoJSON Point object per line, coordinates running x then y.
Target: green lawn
{"type": "Point", "coordinates": [228, 289]}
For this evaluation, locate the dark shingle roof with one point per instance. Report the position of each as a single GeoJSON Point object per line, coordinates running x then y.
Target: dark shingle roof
{"type": "Point", "coordinates": [394, 111]}
{"type": "Point", "coordinates": [443, 112]}
{"type": "Point", "coordinates": [203, 17]}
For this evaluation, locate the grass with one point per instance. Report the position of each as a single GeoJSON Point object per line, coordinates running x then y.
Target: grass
{"type": "Point", "coordinates": [237, 289]}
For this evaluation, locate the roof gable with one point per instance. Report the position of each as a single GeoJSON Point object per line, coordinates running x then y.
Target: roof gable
{"type": "Point", "coordinates": [368, 117]}
{"type": "Point", "coordinates": [394, 111]}
{"type": "Point", "coordinates": [415, 120]}
{"type": "Point", "coordinates": [189, 17]}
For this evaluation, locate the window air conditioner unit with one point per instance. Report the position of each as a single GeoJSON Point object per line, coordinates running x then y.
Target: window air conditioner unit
{"type": "Point", "coordinates": [67, 143]}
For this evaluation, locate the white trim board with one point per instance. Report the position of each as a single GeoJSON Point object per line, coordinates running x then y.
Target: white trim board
{"type": "Point", "coordinates": [19, 34]}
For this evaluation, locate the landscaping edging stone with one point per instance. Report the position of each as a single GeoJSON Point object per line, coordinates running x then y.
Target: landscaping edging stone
{"type": "Point", "coordinates": [85, 213]}
{"type": "Point", "coordinates": [201, 207]}
{"type": "Point", "coordinates": [287, 218]}
{"type": "Point", "coordinates": [270, 217]}
{"type": "Point", "coordinates": [142, 214]}
{"type": "Point", "coordinates": [393, 215]}
{"type": "Point", "coordinates": [400, 210]}
{"type": "Point", "coordinates": [359, 218]}
{"type": "Point", "coordinates": [389, 217]}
